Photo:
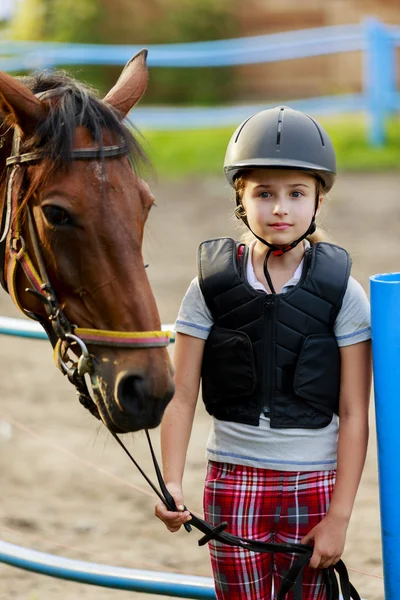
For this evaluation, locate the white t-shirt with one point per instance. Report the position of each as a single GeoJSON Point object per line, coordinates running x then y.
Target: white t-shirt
{"type": "Point", "coordinates": [262, 446]}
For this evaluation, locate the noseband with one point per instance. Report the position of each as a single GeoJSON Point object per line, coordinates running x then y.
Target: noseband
{"type": "Point", "coordinates": [65, 337]}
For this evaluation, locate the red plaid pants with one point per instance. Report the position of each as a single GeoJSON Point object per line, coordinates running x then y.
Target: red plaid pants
{"type": "Point", "coordinates": [265, 505]}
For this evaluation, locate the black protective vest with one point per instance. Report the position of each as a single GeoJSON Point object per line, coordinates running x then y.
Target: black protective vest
{"type": "Point", "coordinates": [272, 352]}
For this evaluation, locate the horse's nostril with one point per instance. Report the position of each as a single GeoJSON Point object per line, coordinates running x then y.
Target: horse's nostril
{"type": "Point", "coordinates": [131, 393]}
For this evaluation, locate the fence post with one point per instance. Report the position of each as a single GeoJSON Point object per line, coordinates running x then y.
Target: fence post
{"type": "Point", "coordinates": [379, 78]}
{"type": "Point", "coordinates": [385, 302]}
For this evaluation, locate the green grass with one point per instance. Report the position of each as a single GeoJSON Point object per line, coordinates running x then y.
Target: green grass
{"type": "Point", "coordinates": [177, 154]}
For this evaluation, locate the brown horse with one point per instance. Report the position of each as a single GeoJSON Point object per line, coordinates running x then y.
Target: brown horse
{"type": "Point", "coordinates": [74, 211]}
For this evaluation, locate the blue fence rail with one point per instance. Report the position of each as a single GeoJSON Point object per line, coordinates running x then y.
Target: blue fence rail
{"type": "Point", "coordinates": [118, 578]}
{"type": "Point", "coordinates": [33, 330]}
{"type": "Point", "coordinates": [377, 42]}
{"type": "Point", "coordinates": [238, 51]}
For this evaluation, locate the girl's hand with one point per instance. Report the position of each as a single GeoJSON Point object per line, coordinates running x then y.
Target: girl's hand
{"type": "Point", "coordinates": [173, 520]}
{"type": "Point", "coordinates": [328, 539]}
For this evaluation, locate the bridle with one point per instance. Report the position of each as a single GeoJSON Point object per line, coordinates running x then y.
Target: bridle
{"type": "Point", "coordinates": [65, 337]}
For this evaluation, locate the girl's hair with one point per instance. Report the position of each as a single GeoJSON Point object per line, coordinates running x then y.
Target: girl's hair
{"type": "Point", "coordinates": [239, 183]}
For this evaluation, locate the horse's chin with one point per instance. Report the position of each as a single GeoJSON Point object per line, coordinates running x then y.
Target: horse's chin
{"type": "Point", "coordinates": [117, 422]}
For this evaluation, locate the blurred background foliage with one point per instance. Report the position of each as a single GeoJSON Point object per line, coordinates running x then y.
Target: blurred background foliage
{"type": "Point", "coordinates": [140, 22]}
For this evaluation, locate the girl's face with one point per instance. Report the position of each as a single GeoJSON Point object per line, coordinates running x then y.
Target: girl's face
{"type": "Point", "coordinates": [279, 203]}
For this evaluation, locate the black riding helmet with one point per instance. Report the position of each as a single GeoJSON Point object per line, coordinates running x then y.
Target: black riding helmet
{"type": "Point", "coordinates": [281, 138]}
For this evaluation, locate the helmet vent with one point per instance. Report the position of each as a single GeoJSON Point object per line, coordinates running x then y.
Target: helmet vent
{"type": "Point", "coordinates": [279, 129]}
{"type": "Point", "coordinates": [318, 129]}
{"type": "Point", "coordinates": [241, 129]}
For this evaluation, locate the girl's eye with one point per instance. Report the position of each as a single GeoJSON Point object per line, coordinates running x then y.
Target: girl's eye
{"type": "Point", "coordinates": [56, 215]}
{"type": "Point", "coordinates": [297, 194]}
{"type": "Point", "coordinates": [264, 194]}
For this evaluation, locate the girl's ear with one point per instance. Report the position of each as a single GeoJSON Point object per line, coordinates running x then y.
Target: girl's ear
{"type": "Point", "coordinates": [320, 200]}
{"type": "Point", "coordinates": [239, 212]}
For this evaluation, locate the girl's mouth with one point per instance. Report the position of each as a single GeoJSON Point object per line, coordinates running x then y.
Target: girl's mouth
{"type": "Point", "coordinates": [280, 226]}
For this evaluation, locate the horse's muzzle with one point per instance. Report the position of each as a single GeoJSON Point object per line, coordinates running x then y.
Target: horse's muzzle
{"type": "Point", "coordinates": [140, 407]}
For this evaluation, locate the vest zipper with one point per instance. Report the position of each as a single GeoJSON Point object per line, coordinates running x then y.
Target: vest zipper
{"type": "Point", "coordinates": [268, 358]}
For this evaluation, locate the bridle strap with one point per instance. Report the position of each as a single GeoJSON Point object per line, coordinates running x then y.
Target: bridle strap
{"type": "Point", "coordinates": [97, 337]}
{"type": "Point", "coordinates": [125, 339]}
{"type": "Point", "coordinates": [77, 154]}
{"type": "Point", "coordinates": [6, 220]}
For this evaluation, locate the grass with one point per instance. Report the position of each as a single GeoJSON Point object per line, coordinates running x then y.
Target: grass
{"type": "Point", "coordinates": [177, 154]}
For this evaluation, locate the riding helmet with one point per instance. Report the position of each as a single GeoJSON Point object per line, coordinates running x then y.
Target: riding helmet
{"type": "Point", "coordinates": [281, 138]}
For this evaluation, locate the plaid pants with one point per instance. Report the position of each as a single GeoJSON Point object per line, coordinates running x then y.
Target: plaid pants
{"type": "Point", "coordinates": [264, 505]}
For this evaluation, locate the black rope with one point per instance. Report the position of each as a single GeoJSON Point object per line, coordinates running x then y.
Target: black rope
{"type": "Point", "coordinates": [219, 534]}
{"type": "Point", "coordinates": [266, 272]}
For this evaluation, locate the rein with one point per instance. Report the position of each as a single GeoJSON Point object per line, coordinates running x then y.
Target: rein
{"type": "Point", "coordinates": [219, 534]}
{"type": "Point", "coordinates": [64, 336]}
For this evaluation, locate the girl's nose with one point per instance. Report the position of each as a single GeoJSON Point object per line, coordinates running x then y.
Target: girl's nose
{"type": "Point", "coordinates": [281, 207]}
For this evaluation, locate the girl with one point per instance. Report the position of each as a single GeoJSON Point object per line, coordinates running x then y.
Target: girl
{"type": "Point", "coordinates": [278, 332]}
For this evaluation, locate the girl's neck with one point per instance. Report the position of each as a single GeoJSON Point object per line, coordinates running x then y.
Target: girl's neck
{"type": "Point", "coordinates": [287, 261]}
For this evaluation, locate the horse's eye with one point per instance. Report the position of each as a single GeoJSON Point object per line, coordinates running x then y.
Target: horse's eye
{"type": "Point", "coordinates": [57, 215]}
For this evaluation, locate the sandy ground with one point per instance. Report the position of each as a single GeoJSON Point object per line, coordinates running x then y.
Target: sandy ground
{"type": "Point", "coordinates": [52, 500]}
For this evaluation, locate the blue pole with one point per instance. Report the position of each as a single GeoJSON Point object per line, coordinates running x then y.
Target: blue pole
{"type": "Point", "coordinates": [146, 582]}
{"type": "Point", "coordinates": [385, 306]}
{"type": "Point", "coordinates": [379, 78]}
{"type": "Point", "coordinates": [22, 328]}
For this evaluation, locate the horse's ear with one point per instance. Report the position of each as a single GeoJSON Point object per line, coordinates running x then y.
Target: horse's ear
{"type": "Point", "coordinates": [131, 84]}
{"type": "Point", "coordinates": [18, 105]}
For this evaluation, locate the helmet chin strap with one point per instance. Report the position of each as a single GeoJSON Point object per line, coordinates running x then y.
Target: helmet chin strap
{"type": "Point", "coordinates": [280, 250]}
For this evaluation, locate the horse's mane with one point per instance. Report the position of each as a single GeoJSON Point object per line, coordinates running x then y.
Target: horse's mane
{"type": "Point", "coordinates": [76, 105]}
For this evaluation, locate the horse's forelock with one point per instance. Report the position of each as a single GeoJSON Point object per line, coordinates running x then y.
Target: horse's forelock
{"type": "Point", "coordinates": [76, 105]}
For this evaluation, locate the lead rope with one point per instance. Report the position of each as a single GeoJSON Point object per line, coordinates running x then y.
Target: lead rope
{"type": "Point", "coordinates": [219, 534]}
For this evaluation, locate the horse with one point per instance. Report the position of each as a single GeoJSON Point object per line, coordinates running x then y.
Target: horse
{"type": "Point", "coordinates": [73, 212]}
